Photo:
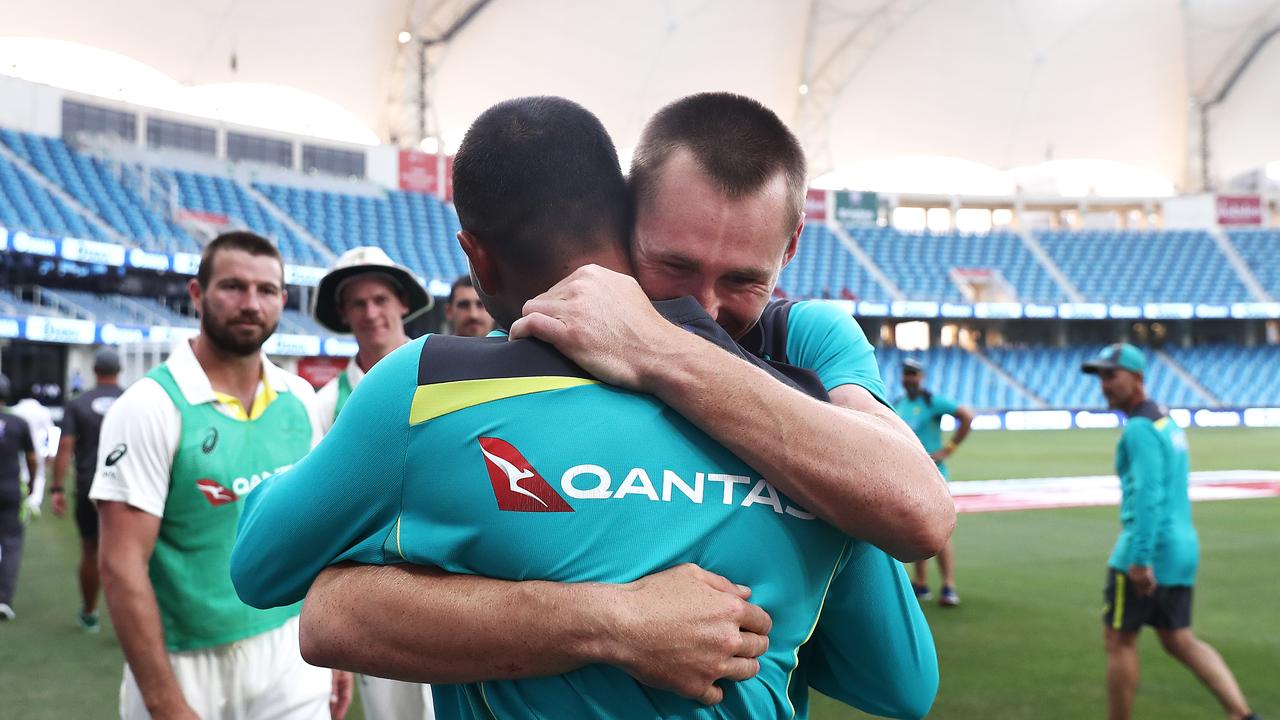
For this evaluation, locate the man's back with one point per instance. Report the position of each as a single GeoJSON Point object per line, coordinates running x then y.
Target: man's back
{"type": "Point", "coordinates": [83, 420]}
{"type": "Point", "coordinates": [15, 441]}
{"type": "Point", "coordinates": [503, 459]}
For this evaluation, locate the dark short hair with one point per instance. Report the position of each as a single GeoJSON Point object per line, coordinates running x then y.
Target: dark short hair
{"type": "Point", "coordinates": [464, 280]}
{"type": "Point", "coordinates": [242, 240]}
{"type": "Point", "coordinates": [737, 141]}
{"type": "Point", "coordinates": [539, 178]}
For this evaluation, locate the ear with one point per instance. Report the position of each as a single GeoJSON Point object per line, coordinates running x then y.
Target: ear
{"type": "Point", "coordinates": [484, 266]}
{"type": "Point", "coordinates": [794, 243]}
{"type": "Point", "coordinates": [195, 292]}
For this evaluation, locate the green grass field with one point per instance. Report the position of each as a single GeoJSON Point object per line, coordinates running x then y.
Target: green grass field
{"type": "Point", "coordinates": [1026, 643]}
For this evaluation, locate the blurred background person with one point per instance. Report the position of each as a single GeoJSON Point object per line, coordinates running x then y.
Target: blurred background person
{"type": "Point", "coordinates": [81, 426]}
{"type": "Point", "coordinates": [923, 411]}
{"type": "Point", "coordinates": [368, 295]}
{"type": "Point", "coordinates": [16, 448]}
{"type": "Point", "coordinates": [467, 316]}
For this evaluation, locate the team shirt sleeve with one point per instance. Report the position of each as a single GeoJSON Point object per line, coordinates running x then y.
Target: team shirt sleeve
{"type": "Point", "coordinates": [944, 406]}
{"type": "Point", "coordinates": [872, 648]}
{"type": "Point", "coordinates": [136, 447]}
{"type": "Point", "coordinates": [340, 502]}
{"type": "Point", "coordinates": [307, 394]}
{"type": "Point", "coordinates": [1147, 468]}
{"type": "Point", "coordinates": [825, 339]}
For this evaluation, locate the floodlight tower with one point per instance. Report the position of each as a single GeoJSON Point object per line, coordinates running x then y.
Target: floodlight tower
{"type": "Point", "coordinates": [841, 37]}
{"type": "Point", "coordinates": [431, 26]}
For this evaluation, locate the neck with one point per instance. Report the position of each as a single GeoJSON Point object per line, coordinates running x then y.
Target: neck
{"type": "Point", "coordinates": [233, 374]}
{"type": "Point", "coordinates": [1138, 398]}
{"type": "Point", "coordinates": [108, 380]}
{"type": "Point", "coordinates": [506, 310]}
{"type": "Point", "coordinates": [369, 355]}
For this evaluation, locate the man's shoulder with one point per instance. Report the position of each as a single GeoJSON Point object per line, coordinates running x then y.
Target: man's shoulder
{"type": "Point", "coordinates": [14, 419]}
{"type": "Point", "coordinates": [447, 358]}
{"type": "Point", "coordinates": [144, 398]}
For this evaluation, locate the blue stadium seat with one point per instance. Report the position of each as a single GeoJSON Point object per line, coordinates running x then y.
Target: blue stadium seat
{"type": "Point", "coordinates": [1135, 267]}
{"type": "Point", "coordinates": [1260, 249]}
{"type": "Point", "coordinates": [957, 374]}
{"type": "Point", "coordinates": [1238, 376]}
{"type": "Point", "coordinates": [415, 229]}
{"type": "Point", "coordinates": [94, 186]}
{"type": "Point", "coordinates": [823, 268]}
{"type": "Point", "coordinates": [920, 263]}
{"type": "Point", "coordinates": [1054, 375]}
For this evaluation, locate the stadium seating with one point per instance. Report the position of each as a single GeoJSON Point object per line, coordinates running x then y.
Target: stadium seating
{"type": "Point", "coordinates": [1260, 249]}
{"type": "Point", "coordinates": [415, 229]}
{"type": "Point", "coordinates": [13, 306]}
{"type": "Point", "coordinates": [300, 323]}
{"type": "Point", "coordinates": [1136, 267]}
{"type": "Point", "coordinates": [217, 195]}
{"type": "Point", "coordinates": [1238, 376]}
{"type": "Point", "coordinates": [956, 374]}
{"type": "Point", "coordinates": [823, 268]}
{"type": "Point", "coordinates": [90, 182]}
{"type": "Point", "coordinates": [24, 205]}
{"type": "Point", "coordinates": [920, 263]}
{"type": "Point", "coordinates": [1054, 375]}
{"type": "Point", "coordinates": [117, 309]}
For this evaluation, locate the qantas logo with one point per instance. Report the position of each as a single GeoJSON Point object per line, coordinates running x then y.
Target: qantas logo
{"type": "Point", "coordinates": [520, 488]}
{"type": "Point", "coordinates": [508, 469]}
{"type": "Point", "coordinates": [215, 493]}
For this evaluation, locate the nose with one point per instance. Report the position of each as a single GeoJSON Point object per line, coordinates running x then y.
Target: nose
{"type": "Point", "coordinates": [709, 300]}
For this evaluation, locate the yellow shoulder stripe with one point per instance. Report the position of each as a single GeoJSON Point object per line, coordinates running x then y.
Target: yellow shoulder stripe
{"type": "Point", "coordinates": [1161, 423]}
{"type": "Point", "coordinates": [432, 401]}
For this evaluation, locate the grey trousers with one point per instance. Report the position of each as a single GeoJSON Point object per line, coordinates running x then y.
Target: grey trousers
{"type": "Point", "coordinates": [11, 532]}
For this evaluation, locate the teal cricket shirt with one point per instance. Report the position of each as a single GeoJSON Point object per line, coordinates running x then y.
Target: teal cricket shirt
{"type": "Point", "coordinates": [923, 414]}
{"type": "Point", "coordinates": [503, 459]}
{"type": "Point", "coordinates": [1155, 510]}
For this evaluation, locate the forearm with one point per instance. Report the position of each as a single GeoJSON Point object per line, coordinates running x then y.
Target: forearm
{"type": "Point", "coordinates": [61, 463]}
{"type": "Point", "coordinates": [131, 601]}
{"type": "Point", "coordinates": [420, 624]}
{"type": "Point", "coordinates": [858, 471]}
{"type": "Point", "coordinates": [962, 429]}
{"type": "Point", "coordinates": [33, 472]}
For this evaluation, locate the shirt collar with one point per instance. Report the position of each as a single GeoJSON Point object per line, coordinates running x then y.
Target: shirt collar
{"type": "Point", "coordinates": [194, 383]}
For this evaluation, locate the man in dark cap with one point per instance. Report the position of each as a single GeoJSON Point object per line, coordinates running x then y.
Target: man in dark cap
{"type": "Point", "coordinates": [922, 410]}
{"type": "Point", "coordinates": [1152, 570]}
{"type": "Point", "coordinates": [81, 424]}
{"type": "Point", "coordinates": [15, 441]}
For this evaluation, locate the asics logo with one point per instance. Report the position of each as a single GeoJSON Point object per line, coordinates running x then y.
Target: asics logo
{"type": "Point", "coordinates": [507, 470]}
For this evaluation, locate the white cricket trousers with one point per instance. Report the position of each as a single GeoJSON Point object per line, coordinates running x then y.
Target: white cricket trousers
{"type": "Point", "coordinates": [395, 700]}
{"type": "Point", "coordinates": [259, 678]}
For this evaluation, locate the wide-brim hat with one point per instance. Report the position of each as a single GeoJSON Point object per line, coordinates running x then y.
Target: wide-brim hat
{"type": "Point", "coordinates": [366, 260]}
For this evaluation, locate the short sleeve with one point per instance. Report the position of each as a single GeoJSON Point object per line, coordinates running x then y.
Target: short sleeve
{"type": "Point", "coordinates": [827, 340]}
{"type": "Point", "coordinates": [944, 406]}
{"type": "Point", "coordinates": [135, 451]}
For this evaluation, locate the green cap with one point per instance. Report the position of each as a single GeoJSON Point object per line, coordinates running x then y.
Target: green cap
{"type": "Point", "coordinates": [1120, 356]}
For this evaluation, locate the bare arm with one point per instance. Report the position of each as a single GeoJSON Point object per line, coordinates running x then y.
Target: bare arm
{"type": "Point", "coordinates": [66, 446]}
{"type": "Point", "coordinates": [32, 465]}
{"type": "Point", "coordinates": [854, 466]}
{"type": "Point", "coordinates": [964, 423]}
{"type": "Point", "coordinates": [679, 630]}
{"type": "Point", "coordinates": [131, 535]}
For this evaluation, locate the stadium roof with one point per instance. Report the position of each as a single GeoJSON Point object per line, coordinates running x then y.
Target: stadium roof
{"type": "Point", "coordinates": [1002, 83]}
